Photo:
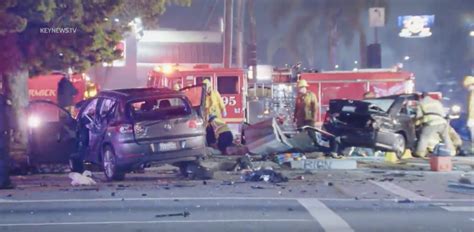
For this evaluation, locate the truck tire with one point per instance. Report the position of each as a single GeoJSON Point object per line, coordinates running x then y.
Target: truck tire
{"type": "Point", "coordinates": [109, 164]}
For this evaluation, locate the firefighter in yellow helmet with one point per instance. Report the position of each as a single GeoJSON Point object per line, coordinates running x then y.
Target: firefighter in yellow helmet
{"type": "Point", "coordinates": [432, 116]}
{"type": "Point", "coordinates": [214, 104]}
{"type": "Point", "coordinates": [469, 84]}
{"type": "Point", "coordinates": [306, 105]}
{"type": "Point", "coordinates": [223, 137]}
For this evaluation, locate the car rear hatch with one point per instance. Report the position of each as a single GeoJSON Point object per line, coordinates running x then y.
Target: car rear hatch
{"type": "Point", "coordinates": [170, 123]}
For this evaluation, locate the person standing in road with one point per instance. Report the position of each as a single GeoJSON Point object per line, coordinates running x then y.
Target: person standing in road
{"type": "Point", "coordinates": [306, 105]}
{"type": "Point", "coordinates": [431, 114]}
{"type": "Point", "coordinates": [213, 105]}
{"type": "Point", "coordinates": [66, 92]}
{"type": "Point", "coordinates": [469, 84]}
{"type": "Point", "coordinates": [5, 120]}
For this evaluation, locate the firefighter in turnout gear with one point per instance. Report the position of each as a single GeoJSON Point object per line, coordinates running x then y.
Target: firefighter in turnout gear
{"type": "Point", "coordinates": [214, 104]}
{"type": "Point", "coordinates": [306, 106]}
{"type": "Point", "coordinates": [469, 84]}
{"type": "Point", "coordinates": [431, 114]}
{"type": "Point", "coordinates": [222, 134]}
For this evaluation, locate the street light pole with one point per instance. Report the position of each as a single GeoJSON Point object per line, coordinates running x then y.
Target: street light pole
{"type": "Point", "coordinates": [228, 22]}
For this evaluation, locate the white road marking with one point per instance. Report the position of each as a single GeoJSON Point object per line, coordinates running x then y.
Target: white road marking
{"type": "Point", "coordinates": [459, 208]}
{"type": "Point", "coordinates": [11, 201]}
{"type": "Point", "coordinates": [327, 218]}
{"type": "Point", "coordinates": [397, 190]}
{"type": "Point", "coordinates": [152, 222]}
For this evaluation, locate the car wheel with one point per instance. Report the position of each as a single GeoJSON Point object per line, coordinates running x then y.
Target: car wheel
{"type": "Point", "coordinates": [109, 164]}
{"type": "Point", "coordinates": [399, 145]}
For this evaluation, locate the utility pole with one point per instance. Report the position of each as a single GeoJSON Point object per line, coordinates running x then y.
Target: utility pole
{"type": "Point", "coordinates": [228, 26]}
{"type": "Point", "coordinates": [240, 33]}
{"type": "Point", "coordinates": [253, 37]}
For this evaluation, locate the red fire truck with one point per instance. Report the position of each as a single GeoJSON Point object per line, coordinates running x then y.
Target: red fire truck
{"type": "Point", "coordinates": [353, 84]}
{"type": "Point", "coordinates": [230, 82]}
{"type": "Point", "coordinates": [45, 87]}
{"type": "Point", "coordinates": [260, 101]}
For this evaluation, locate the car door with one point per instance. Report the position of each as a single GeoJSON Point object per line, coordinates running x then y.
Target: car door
{"type": "Point", "coordinates": [103, 113]}
{"type": "Point", "coordinates": [406, 118]}
{"type": "Point", "coordinates": [197, 95]}
{"type": "Point", "coordinates": [51, 137]}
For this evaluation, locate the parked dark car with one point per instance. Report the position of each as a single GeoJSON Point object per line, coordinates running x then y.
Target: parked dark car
{"type": "Point", "coordinates": [386, 123]}
{"type": "Point", "coordinates": [131, 128]}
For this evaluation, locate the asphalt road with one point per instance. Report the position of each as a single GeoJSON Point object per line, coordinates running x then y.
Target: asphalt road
{"type": "Point", "coordinates": [235, 214]}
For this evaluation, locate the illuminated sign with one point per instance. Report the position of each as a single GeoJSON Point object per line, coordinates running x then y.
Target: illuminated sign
{"type": "Point", "coordinates": [415, 26]}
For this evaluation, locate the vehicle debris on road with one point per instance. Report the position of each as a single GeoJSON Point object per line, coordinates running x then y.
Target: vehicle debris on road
{"type": "Point", "coordinates": [84, 179]}
{"type": "Point", "coordinates": [183, 214]}
{"type": "Point", "coordinates": [265, 175]}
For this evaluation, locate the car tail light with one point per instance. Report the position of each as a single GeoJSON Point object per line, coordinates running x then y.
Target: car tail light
{"type": "Point", "coordinates": [326, 117]}
{"type": "Point", "coordinates": [139, 130]}
{"type": "Point", "coordinates": [125, 128]}
{"type": "Point", "coordinates": [194, 123]}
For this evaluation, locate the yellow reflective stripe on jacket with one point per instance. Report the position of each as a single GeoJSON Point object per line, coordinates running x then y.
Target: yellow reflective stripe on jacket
{"type": "Point", "coordinates": [432, 112]}
{"type": "Point", "coordinates": [220, 127]}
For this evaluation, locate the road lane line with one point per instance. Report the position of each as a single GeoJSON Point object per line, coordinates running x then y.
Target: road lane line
{"type": "Point", "coordinates": [152, 222]}
{"type": "Point", "coordinates": [327, 218]}
{"type": "Point", "coordinates": [397, 190]}
{"type": "Point", "coordinates": [73, 200]}
{"type": "Point", "coordinates": [459, 208]}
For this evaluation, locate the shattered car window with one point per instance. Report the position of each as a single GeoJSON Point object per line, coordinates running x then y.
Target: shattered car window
{"type": "Point", "coordinates": [159, 108]}
{"type": "Point", "coordinates": [380, 104]}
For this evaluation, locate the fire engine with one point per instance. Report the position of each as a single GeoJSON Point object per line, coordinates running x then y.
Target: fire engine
{"type": "Point", "coordinates": [255, 101]}
{"type": "Point", "coordinates": [353, 84]}
{"type": "Point", "coordinates": [45, 87]}
{"type": "Point", "coordinates": [230, 82]}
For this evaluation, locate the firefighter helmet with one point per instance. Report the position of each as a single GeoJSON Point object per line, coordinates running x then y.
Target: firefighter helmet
{"type": "Point", "coordinates": [468, 80]}
{"type": "Point", "coordinates": [206, 82]}
{"type": "Point", "coordinates": [302, 83]}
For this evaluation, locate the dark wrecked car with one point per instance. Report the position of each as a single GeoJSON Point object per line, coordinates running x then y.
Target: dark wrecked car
{"type": "Point", "coordinates": [125, 130]}
{"type": "Point", "coordinates": [386, 123]}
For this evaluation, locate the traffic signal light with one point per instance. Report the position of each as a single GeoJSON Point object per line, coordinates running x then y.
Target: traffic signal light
{"type": "Point", "coordinates": [251, 54]}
